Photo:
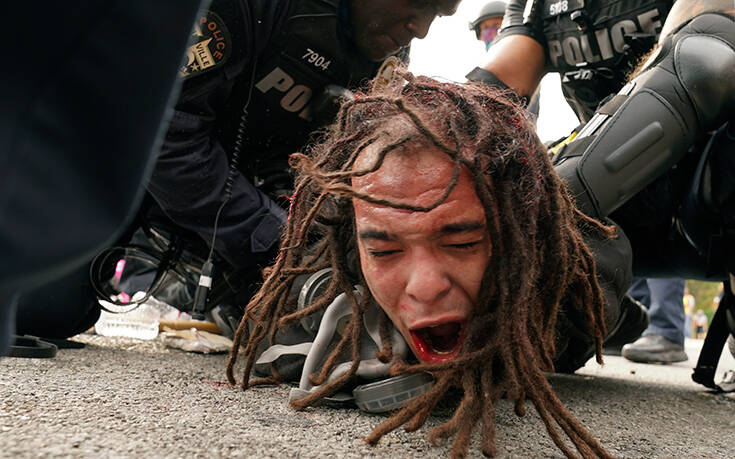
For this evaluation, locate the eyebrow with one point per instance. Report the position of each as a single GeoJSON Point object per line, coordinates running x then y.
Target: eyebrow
{"type": "Point", "coordinates": [462, 227]}
{"type": "Point", "coordinates": [452, 228]}
{"type": "Point", "coordinates": [375, 234]}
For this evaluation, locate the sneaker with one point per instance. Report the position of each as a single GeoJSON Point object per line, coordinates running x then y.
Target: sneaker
{"type": "Point", "coordinates": [654, 349]}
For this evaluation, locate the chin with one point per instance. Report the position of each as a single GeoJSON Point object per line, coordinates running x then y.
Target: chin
{"type": "Point", "coordinates": [376, 51]}
{"type": "Point", "coordinates": [376, 56]}
{"type": "Point", "coordinates": [438, 343]}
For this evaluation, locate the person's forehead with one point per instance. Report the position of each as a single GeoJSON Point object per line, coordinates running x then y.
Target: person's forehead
{"type": "Point", "coordinates": [417, 175]}
{"type": "Point", "coordinates": [461, 211]}
{"type": "Point", "coordinates": [406, 172]}
{"type": "Point", "coordinates": [491, 21]}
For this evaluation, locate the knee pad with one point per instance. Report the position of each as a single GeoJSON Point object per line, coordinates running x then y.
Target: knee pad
{"type": "Point", "coordinates": [645, 129]}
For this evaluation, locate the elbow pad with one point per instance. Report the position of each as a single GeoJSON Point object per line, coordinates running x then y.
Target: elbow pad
{"type": "Point", "coordinates": [648, 127]}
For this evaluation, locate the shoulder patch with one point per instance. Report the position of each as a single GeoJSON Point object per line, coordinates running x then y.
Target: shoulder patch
{"type": "Point", "coordinates": [386, 74]}
{"type": "Point", "coordinates": [211, 48]}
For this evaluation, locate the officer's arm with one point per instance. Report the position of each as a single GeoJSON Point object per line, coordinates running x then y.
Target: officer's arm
{"type": "Point", "coordinates": [193, 175]}
{"type": "Point", "coordinates": [190, 182]}
{"type": "Point", "coordinates": [517, 61]}
{"type": "Point", "coordinates": [517, 58]}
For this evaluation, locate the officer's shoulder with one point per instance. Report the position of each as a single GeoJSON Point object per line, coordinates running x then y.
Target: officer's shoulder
{"type": "Point", "coordinates": [224, 34]}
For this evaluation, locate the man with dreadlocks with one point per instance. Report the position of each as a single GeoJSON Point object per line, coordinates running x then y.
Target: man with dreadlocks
{"type": "Point", "coordinates": [437, 205]}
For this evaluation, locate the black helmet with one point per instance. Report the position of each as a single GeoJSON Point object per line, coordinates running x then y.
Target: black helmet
{"type": "Point", "coordinates": [490, 10]}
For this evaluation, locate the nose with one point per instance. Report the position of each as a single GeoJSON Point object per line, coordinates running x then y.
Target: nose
{"type": "Point", "coordinates": [419, 25]}
{"type": "Point", "coordinates": [428, 280]}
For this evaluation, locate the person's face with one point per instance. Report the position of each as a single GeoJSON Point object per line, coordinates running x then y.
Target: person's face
{"type": "Point", "coordinates": [489, 29]}
{"type": "Point", "coordinates": [423, 268]}
{"type": "Point", "coordinates": [382, 27]}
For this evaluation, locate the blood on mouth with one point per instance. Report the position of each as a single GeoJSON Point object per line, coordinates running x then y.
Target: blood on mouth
{"type": "Point", "coordinates": [439, 342]}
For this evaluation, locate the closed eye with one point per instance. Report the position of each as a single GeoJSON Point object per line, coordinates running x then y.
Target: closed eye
{"type": "Point", "coordinates": [464, 245]}
{"type": "Point", "coordinates": [382, 253]}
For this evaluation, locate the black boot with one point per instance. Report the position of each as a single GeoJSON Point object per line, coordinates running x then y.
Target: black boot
{"type": "Point", "coordinates": [632, 322]}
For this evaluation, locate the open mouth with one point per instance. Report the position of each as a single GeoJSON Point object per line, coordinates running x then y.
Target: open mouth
{"type": "Point", "coordinates": [439, 342]}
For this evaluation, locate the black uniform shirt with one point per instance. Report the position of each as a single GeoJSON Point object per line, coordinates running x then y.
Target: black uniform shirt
{"type": "Point", "coordinates": [250, 78]}
{"type": "Point", "coordinates": [592, 44]}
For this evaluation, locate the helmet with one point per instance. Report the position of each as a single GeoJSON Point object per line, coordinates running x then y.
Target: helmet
{"type": "Point", "coordinates": [490, 10]}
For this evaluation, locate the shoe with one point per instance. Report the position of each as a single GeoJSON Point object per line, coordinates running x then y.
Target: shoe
{"type": "Point", "coordinates": [32, 347]}
{"type": "Point", "coordinates": [654, 349]}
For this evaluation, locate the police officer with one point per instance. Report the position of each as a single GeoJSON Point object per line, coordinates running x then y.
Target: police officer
{"type": "Point", "coordinates": [64, 191]}
{"type": "Point", "coordinates": [486, 27]}
{"type": "Point", "coordinates": [488, 22]}
{"type": "Point", "coordinates": [260, 76]}
{"type": "Point", "coordinates": [595, 46]}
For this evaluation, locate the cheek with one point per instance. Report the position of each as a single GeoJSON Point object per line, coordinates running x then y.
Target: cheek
{"type": "Point", "coordinates": [474, 270]}
{"type": "Point", "coordinates": [383, 283]}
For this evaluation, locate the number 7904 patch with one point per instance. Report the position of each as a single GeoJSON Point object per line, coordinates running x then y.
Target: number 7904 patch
{"type": "Point", "coordinates": [316, 59]}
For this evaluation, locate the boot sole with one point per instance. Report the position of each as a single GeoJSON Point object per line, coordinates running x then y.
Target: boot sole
{"type": "Point", "coordinates": [654, 357]}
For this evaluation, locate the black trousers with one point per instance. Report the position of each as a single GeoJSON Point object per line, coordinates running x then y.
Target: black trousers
{"type": "Point", "coordinates": [84, 102]}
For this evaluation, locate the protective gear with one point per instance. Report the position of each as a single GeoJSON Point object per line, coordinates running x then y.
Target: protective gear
{"type": "Point", "coordinates": [490, 10]}
{"type": "Point", "coordinates": [592, 45]}
{"type": "Point", "coordinates": [314, 338]}
{"type": "Point", "coordinates": [370, 367]}
{"type": "Point", "coordinates": [690, 90]}
{"type": "Point", "coordinates": [613, 258]}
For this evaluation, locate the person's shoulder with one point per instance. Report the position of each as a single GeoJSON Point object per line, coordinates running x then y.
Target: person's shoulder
{"type": "Point", "coordinates": [229, 32]}
{"type": "Point", "coordinates": [514, 22]}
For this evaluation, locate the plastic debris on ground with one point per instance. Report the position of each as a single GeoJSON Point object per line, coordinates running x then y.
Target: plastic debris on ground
{"type": "Point", "coordinates": [142, 322]}
{"type": "Point", "coordinates": [194, 340]}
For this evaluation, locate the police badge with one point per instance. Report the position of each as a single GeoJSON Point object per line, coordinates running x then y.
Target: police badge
{"type": "Point", "coordinates": [212, 46]}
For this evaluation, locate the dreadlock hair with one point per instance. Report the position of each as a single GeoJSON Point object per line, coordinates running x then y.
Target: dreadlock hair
{"type": "Point", "coordinates": [539, 259]}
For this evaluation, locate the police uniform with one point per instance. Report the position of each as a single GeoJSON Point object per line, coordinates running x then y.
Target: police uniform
{"type": "Point", "coordinates": [636, 160]}
{"type": "Point", "coordinates": [255, 83]}
{"type": "Point", "coordinates": [593, 44]}
{"type": "Point", "coordinates": [82, 107]}
{"type": "Point", "coordinates": [254, 80]}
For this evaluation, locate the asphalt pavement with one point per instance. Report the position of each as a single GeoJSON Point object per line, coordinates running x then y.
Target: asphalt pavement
{"type": "Point", "coordinates": [120, 397]}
